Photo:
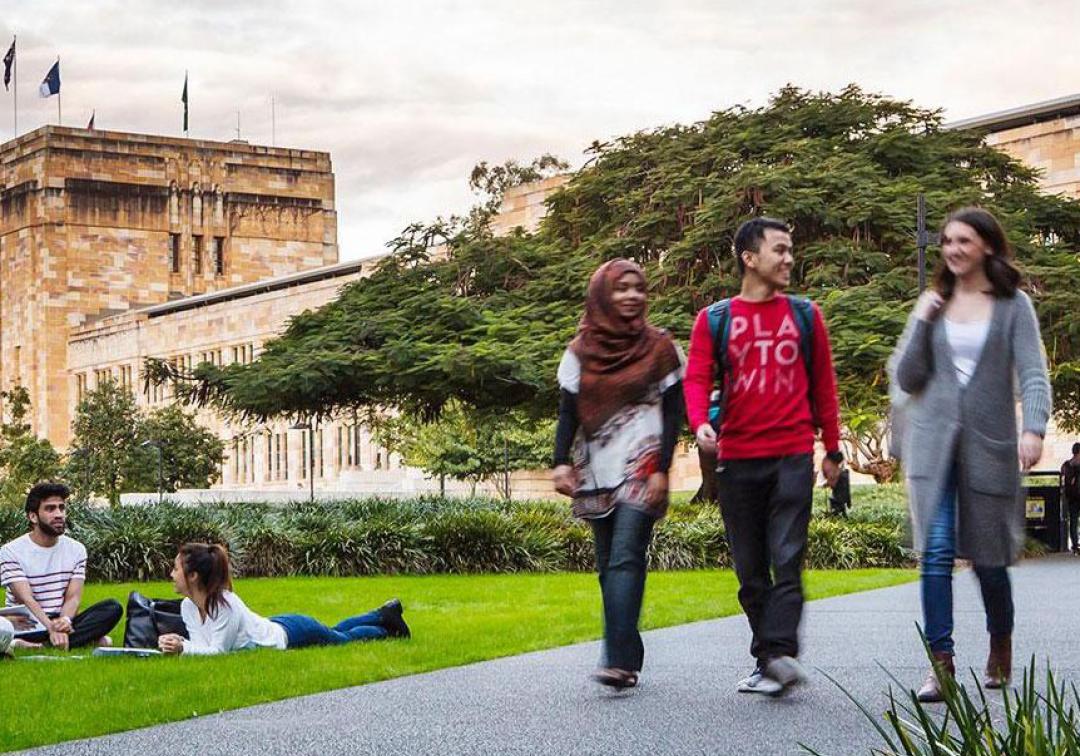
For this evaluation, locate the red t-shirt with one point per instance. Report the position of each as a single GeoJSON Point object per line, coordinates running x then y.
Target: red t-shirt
{"type": "Point", "coordinates": [767, 411]}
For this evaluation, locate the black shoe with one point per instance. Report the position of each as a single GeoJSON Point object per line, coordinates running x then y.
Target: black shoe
{"type": "Point", "coordinates": [390, 614]}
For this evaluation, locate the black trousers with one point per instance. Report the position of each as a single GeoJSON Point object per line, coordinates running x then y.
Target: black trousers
{"type": "Point", "coordinates": [1073, 506]}
{"type": "Point", "coordinates": [766, 506]}
{"type": "Point", "coordinates": [88, 625]}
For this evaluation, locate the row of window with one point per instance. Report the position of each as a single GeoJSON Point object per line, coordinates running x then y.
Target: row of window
{"type": "Point", "coordinates": [217, 254]}
{"type": "Point", "coordinates": [276, 448]}
{"type": "Point", "coordinates": [125, 374]}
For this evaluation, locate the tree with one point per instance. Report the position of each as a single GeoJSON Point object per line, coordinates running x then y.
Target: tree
{"type": "Point", "coordinates": [105, 443]}
{"type": "Point", "coordinates": [109, 456]}
{"type": "Point", "coordinates": [484, 322]}
{"type": "Point", "coordinates": [191, 455]}
{"type": "Point", "coordinates": [24, 458]}
{"type": "Point", "coordinates": [467, 445]}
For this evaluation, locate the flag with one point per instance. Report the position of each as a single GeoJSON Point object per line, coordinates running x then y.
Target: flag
{"type": "Point", "coordinates": [50, 85]}
{"type": "Point", "coordinates": [183, 99]}
{"type": "Point", "coordinates": [90, 126]}
{"type": "Point", "coordinates": [9, 61]}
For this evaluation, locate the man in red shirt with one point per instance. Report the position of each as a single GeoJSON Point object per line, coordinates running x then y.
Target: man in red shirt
{"type": "Point", "coordinates": [774, 399]}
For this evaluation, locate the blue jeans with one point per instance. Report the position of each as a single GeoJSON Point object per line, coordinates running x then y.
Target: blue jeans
{"type": "Point", "coordinates": [622, 544]}
{"type": "Point", "coordinates": [936, 573]}
{"type": "Point", "coordinates": [302, 630]}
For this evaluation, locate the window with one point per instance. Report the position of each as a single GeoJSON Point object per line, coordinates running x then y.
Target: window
{"type": "Point", "coordinates": [197, 253]}
{"type": "Point", "coordinates": [218, 252]}
{"type": "Point", "coordinates": [319, 453]}
{"type": "Point", "coordinates": [80, 386]}
{"type": "Point", "coordinates": [125, 377]}
{"type": "Point", "coordinates": [303, 455]}
{"type": "Point", "coordinates": [236, 459]}
{"type": "Point", "coordinates": [174, 253]}
{"type": "Point", "coordinates": [268, 473]}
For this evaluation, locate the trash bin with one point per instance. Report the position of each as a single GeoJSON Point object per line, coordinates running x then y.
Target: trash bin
{"type": "Point", "coordinates": [1042, 498]}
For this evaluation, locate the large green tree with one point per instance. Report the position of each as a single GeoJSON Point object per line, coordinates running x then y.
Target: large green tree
{"type": "Point", "coordinates": [115, 446]}
{"type": "Point", "coordinates": [456, 314]}
{"type": "Point", "coordinates": [25, 459]}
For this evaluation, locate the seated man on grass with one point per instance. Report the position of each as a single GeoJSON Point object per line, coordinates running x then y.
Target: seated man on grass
{"type": "Point", "coordinates": [44, 571]}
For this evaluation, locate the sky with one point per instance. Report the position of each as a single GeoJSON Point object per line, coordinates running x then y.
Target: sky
{"type": "Point", "coordinates": [407, 96]}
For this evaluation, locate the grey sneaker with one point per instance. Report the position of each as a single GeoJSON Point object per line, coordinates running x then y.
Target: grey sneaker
{"type": "Point", "coordinates": [757, 683]}
{"type": "Point", "coordinates": [785, 672]}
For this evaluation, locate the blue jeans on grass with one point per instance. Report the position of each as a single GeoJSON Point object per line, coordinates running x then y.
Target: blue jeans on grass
{"type": "Point", "coordinates": [936, 573]}
{"type": "Point", "coordinates": [302, 630]}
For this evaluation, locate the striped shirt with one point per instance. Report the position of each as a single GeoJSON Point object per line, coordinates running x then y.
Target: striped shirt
{"type": "Point", "coordinates": [48, 570]}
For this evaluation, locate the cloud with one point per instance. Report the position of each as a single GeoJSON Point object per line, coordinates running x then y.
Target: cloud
{"type": "Point", "coordinates": [408, 96]}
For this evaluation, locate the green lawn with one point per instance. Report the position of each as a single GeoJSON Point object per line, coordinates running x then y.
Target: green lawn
{"type": "Point", "coordinates": [455, 620]}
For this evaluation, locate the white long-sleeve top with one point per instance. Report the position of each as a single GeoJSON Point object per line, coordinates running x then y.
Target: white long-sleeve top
{"type": "Point", "coordinates": [232, 628]}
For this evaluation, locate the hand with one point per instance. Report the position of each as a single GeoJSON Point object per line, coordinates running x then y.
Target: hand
{"type": "Point", "coordinates": [929, 305]}
{"type": "Point", "coordinates": [170, 643]}
{"type": "Point", "coordinates": [831, 471]}
{"type": "Point", "coordinates": [656, 489]}
{"type": "Point", "coordinates": [565, 479]}
{"type": "Point", "coordinates": [61, 624]}
{"type": "Point", "coordinates": [1030, 449]}
{"type": "Point", "coordinates": [20, 643]}
{"type": "Point", "coordinates": [58, 640]}
{"type": "Point", "coordinates": [706, 437]}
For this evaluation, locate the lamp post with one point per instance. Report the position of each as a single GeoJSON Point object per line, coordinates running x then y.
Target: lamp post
{"type": "Point", "coordinates": [160, 467]}
{"type": "Point", "coordinates": [309, 426]}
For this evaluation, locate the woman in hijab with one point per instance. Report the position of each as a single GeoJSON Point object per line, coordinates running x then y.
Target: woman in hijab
{"type": "Point", "coordinates": [619, 418]}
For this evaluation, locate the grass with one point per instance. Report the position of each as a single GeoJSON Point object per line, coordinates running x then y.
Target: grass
{"type": "Point", "coordinates": [456, 619]}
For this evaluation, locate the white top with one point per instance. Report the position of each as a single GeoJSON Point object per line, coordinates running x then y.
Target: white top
{"type": "Point", "coordinates": [233, 628]}
{"type": "Point", "coordinates": [48, 569]}
{"type": "Point", "coordinates": [966, 341]}
{"type": "Point", "coordinates": [606, 460]}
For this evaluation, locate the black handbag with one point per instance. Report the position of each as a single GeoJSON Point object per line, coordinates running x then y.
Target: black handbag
{"type": "Point", "coordinates": [148, 618]}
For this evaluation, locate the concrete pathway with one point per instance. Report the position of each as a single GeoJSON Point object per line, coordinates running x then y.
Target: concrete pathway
{"type": "Point", "coordinates": [542, 703]}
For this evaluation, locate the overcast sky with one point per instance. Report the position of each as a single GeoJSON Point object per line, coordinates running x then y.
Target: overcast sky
{"type": "Point", "coordinates": [407, 96]}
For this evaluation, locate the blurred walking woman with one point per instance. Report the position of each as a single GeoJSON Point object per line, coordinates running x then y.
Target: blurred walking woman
{"type": "Point", "coordinates": [619, 418]}
{"type": "Point", "coordinates": [969, 341]}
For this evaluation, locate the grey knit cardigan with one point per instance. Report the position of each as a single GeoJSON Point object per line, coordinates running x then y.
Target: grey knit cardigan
{"type": "Point", "coordinates": [973, 428]}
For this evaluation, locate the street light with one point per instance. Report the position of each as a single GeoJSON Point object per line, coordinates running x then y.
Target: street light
{"type": "Point", "coordinates": [310, 428]}
{"type": "Point", "coordinates": [160, 473]}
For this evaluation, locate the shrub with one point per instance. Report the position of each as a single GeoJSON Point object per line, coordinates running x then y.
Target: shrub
{"type": "Point", "coordinates": [420, 535]}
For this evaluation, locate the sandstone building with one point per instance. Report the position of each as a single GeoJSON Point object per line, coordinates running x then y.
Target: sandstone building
{"type": "Point", "coordinates": [98, 222]}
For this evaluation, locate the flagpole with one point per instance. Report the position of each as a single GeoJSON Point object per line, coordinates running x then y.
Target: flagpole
{"type": "Point", "coordinates": [273, 124]}
{"type": "Point", "coordinates": [15, 95]}
{"type": "Point", "coordinates": [59, 112]}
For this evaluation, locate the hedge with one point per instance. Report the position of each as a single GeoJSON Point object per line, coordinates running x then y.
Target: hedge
{"type": "Point", "coordinates": [422, 535]}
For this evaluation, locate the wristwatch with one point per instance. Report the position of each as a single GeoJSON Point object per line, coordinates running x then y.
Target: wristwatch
{"type": "Point", "coordinates": [836, 457]}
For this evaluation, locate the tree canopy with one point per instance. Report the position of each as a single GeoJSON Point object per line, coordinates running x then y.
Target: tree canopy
{"type": "Point", "coordinates": [458, 314]}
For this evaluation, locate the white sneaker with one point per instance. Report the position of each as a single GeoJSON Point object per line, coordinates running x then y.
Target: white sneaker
{"type": "Point", "coordinates": [785, 672]}
{"type": "Point", "coordinates": [759, 683]}
{"type": "Point", "coordinates": [749, 683]}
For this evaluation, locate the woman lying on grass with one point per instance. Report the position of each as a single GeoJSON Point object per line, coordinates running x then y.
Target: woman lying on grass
{"type": "Point", "coordinates": [217, 621]}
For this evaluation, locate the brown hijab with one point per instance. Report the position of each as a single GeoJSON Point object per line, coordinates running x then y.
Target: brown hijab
{"type": "Point", "coordinates": [620, 359]}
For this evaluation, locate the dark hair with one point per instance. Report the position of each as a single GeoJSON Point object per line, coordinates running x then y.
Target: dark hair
{"type": "Point", "coordinates": [210, 561]}
{"type": "Point", "coordinates": [750, 235]}
{"type": "Point", "coordinates": [42, 491]}
{"type": "Point", "coordinates": [1004, 276]}
{"type": "Point", "coordinates": [1076, 448]}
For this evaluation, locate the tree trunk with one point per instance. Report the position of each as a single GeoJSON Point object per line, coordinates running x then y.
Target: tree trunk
{"type": "Point", "coordinates": [707, 492]}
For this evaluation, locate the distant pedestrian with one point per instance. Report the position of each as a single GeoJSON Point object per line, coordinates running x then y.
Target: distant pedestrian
{"type": "Point", "coordinates": [1070, 487]}
{"type": "Point", "coordinates": [965, 340]}
{"type": "Point", "coordinates": [620, 414]}
{"type": "Point", "coordinates": [771, 357]}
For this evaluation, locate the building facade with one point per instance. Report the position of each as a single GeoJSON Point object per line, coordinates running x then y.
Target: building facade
{"type": "Point", "coordinates": [94, 223]}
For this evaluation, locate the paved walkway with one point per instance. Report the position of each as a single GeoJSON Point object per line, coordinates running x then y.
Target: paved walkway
{"type": "Point", "coordinates": [686, 704]}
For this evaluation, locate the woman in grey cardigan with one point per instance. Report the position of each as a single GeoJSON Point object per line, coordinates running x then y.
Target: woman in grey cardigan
{"type": "Point", "coordinates": [969, 342]}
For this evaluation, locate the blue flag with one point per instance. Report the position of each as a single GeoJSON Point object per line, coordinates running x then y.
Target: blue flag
{"type": "Point", "coordinates": [51, 84]}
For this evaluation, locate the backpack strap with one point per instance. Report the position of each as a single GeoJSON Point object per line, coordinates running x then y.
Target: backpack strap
{"type": "Point", "coordinates": [803, 309]}
{"type": "Point", "coordinates": [719, 314]}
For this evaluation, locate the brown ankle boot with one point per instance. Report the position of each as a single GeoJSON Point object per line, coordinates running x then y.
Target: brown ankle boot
{"type": "Point", "coordinates": [999, 663]}
{"type": "Point", "coordinates": [932, 691]}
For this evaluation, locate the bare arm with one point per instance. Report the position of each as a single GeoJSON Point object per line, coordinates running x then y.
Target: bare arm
{"type": "Point", "coordinates": [21, 590]}
{"type": "Point", "coordinates": [72, 599]}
